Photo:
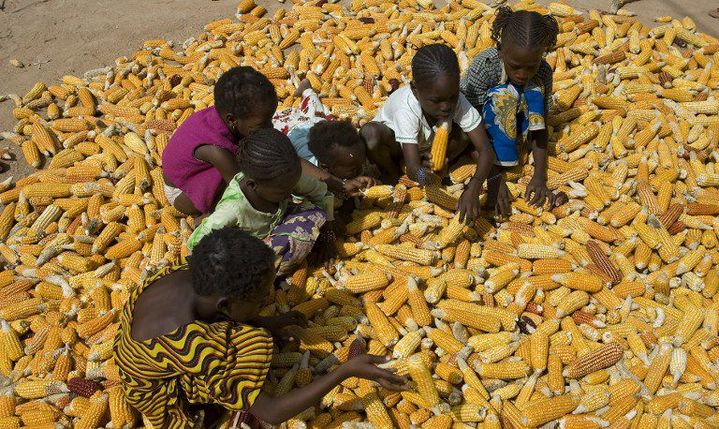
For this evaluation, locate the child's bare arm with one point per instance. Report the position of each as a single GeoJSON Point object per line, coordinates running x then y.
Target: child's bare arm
{"type": "Point", "coordinates": [220, 158]}
{"type": "Point", "coordinates": [537, 187]}
{"type": "Point", "coordinates": [412, 160]}
{"type": "Point", "coordinates": [333, 184]}
{"type": "Point", "coordinates": [277, 410]}
{"type": "Point", "coordinates": [469, 201]}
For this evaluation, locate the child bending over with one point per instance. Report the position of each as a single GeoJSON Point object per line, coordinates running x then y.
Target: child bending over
{"type": "Point", "coordinates": [199, 161]}
{"type": "Point", "coordinates": [258, 200]}
{"type": "Point", "coordinates": [191, 342]}
{"type": "Point", "coordinates": [334, 151]}
{"type": "Point", "coordinates": [405, 126]}
{"type": "Point", "coordinates": [512, 86]}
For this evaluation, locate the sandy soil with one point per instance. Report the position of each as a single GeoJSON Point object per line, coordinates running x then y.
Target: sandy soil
{"type": "Point", "coordinates": [57, 37]}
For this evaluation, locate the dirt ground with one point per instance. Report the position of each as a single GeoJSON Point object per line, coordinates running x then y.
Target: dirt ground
{"type": "Point", "coordinates": [57, 37]}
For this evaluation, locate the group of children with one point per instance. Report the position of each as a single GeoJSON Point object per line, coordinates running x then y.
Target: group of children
{"type": "Point", "coordinates": [267, 184]}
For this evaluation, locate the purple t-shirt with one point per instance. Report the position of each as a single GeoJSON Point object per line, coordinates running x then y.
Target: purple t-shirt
{"type": "Point", "coordinates": [199, 180]}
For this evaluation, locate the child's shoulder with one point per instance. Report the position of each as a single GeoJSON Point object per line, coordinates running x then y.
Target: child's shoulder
{"type": "Point", "coordinates": [487, 57]}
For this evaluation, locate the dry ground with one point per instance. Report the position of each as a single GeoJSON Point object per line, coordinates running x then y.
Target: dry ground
{"type": "Point", "coordinates": [57, 37]}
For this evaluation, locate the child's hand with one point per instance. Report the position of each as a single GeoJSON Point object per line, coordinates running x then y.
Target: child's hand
{"type": "Point", "coordinates": [537, 192]}
{"type": "Point", "coordinates": [468, 205]}
{"type": "Point", "coordinates": [504, 197]}
{"type": "Point", "coordinates": [336, 186]}
{"type": "Point", "coordinates": [353, 187]}
{"type": "Point", "coordinates": [324, 250]}
{"type": "Point", "coordinates": [365, 366]}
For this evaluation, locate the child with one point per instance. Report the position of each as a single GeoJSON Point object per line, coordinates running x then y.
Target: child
{"type": "Point", "coordinates": [185, 340]}
{"type": "Point", "coordinates": [199, 160]}
{"type": "Point", "coordinates": [257, 199]}
{"type": "Point", "coordinates": [512, 86]}
{"type": "Point", "coordinates": [405, 125]}
{"type": "Point", "coordinates": [334, 151]}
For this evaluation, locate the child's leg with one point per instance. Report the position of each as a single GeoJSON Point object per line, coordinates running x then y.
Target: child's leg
{"type": "Point", "coordinates": [383, 149]}
{"type": "Point", "coordinates": [457, 145]}
{"type": "Point", "coordinates": [293, 239]}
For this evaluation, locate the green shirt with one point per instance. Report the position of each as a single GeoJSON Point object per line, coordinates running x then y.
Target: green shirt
{"type": "Point", "coordinates": [235, 209]}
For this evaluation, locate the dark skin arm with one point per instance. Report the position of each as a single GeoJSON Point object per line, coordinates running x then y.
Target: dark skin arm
{"type": "Point", "coordinates": [468, 205]}
{"type": "Point", "coordinates": [276, 324]}
{"type": "Point", "coordinates": [221, 159]}
{"type": "Point", "coordinates": [412, 160]}
{"type": "Point", "coordinates": [334, 184]}
{"type": "Point", "coordinates": [537, 192]}
{"type": "Point", "coordinates": [277, 410]}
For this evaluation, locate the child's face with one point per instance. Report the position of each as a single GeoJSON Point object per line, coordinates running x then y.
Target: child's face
{"type": "Point", "coordinates": [346, 161]}
{"type": "Point", "coordinates": [521, 64]}
{"type": "Point", "coordinates": [277, 190]}
{"type": "Point", "coordinates": [248, 309]}
{"type": "Point", "coordinates": [439, 100]}
{"type": "Point", "coordinates": [242, 128]}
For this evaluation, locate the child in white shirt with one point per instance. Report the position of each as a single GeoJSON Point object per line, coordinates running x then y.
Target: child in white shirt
{"type": "Point", "coordinates": [403, 130]}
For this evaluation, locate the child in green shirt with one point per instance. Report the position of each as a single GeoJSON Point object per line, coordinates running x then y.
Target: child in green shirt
{"type": "Point", "coordinates": [259, 200]}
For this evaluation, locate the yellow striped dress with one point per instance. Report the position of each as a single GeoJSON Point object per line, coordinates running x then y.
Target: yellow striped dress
{"type": "Point", "coordinates": [219, 363]}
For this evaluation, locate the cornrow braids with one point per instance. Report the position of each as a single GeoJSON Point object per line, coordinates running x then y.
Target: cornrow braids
{"type": "Point", "coordinates": [526, 29]}
{"type": "Point", "coordinates": [267, 154]}
{"type": "Point", "coordinates": [243, 92]}
{"type": "Point", "coordinates": [431, 61]}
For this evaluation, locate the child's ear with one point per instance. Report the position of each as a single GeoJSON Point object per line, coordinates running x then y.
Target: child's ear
{"type": "Point", "coordinates": [251, 184]}
{"type": "Point", "coordinates": [413, 87]}
{"type": "Point", "coordinates": [223, 305]}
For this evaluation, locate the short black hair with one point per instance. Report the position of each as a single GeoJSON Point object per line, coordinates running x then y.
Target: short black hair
{"type": "Point", "coordinates": [431, 61]}
{"type": "Point", "coordinates": [325, 135]}
{"type": "Point", "coordinates": [267, 154]}
{"type": "Point", "coordinates": [230, 262]}
{"type": "Point", "coordinates": [243, 92]}
{"type": "Point", "coordinates": [525, 29]}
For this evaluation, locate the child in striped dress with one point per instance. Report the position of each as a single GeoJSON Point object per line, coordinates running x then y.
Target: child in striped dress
{"type": "Point", "coordinates": [192, 347]}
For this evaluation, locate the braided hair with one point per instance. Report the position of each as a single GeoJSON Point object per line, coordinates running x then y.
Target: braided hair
{"type": "Point", "coordinates": [432, 61]}
{"type": "Point", "coordinates": [230, 262]}
{"type": "Point", "coordinates": [267, 154]}
{"type": "Point", "coordinates": [526, 29]}
{"type": "Point", "coordinates": [243, 91]}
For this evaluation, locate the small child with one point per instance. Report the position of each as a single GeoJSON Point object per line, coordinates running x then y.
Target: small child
{"type": "Point", "coordinates": [257, 200]}
{"type": "Point", "coordinates": [199, 161]}
{"type": "Point", "coordinates": [191, 344]}
{"type": "Point", "coordinates": [334, 151]}
{"type": "Point", "coordinates": [405, 126]}
{"type": "Point", "coordinates": [512, 86]}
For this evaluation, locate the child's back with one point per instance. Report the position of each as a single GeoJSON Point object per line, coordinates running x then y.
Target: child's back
{"type": "Point", "coordinates": [199, 160]}
{"type": "Point", "coordinates": [183, 170]}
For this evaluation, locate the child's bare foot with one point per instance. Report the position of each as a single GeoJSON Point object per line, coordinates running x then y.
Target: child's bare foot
{"type": "Point", "coordinates": [304, 85]}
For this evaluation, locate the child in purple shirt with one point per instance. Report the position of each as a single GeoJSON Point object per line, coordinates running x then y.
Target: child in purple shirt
{"type": "Point", "coordinates": [199, 160]}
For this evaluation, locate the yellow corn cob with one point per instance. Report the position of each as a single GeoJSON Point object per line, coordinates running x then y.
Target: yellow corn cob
{"type": "Point", "coordinates": [439, 146]}
{"type": "Point", "coordinates": [418, 256]}
{"type": "Point", "coordinates": [366, 282]}
{"type": "Point", "coordinates": [421, 375]}
{"type": "Point", "coordinates": [503, 371]}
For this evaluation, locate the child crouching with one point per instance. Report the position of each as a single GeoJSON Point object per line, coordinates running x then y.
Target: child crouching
{"type": "Point", "coordinates": [258, 200]}
{"type": "Point", "coordinates": [191, 344]}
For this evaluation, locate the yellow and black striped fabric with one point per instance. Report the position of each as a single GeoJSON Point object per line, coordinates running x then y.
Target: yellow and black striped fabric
{"type": "Point", "coordinates": [220, 363]}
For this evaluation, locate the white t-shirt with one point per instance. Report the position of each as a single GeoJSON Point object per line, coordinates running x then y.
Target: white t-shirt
{"type": "Point", "coordinates": [403, 114]}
